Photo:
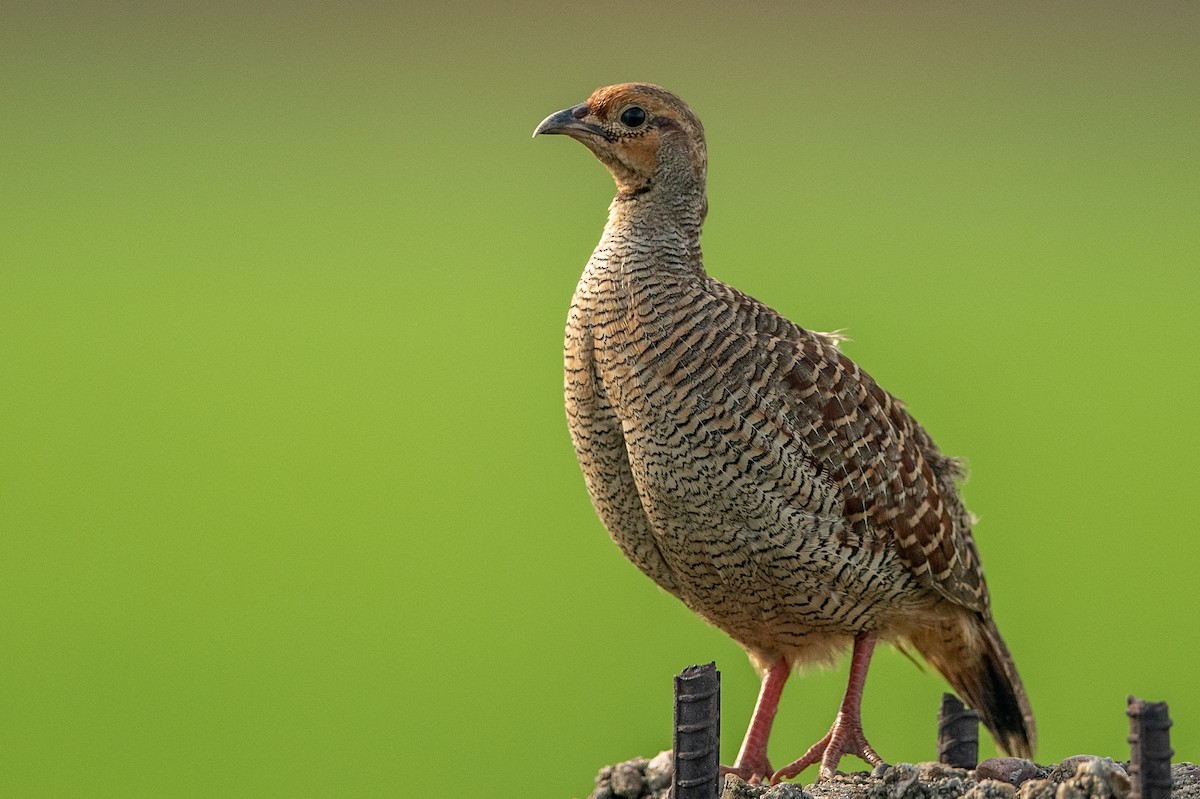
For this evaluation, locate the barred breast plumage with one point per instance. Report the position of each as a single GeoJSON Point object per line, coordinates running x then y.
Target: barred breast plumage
{"type": "Point", "coordinates": [748, 466]}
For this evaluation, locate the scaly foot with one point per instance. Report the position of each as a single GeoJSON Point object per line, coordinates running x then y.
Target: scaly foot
{"type": "Point", "coordinates": [754, 773]}
{"type": "Point", "coordinates": [846, 735]}
{"type": "Point", "coordinates": [844, 738]}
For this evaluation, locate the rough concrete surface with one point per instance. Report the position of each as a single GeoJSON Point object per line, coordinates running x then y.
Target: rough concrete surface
{"type": "Point", "coordinates": [1078, 777]}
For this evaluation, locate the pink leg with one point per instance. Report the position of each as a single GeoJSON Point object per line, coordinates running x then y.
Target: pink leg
{"type": "Point", "coordinates": [752, 764]}
{"type": "Point", "coordinates": [846, 736]}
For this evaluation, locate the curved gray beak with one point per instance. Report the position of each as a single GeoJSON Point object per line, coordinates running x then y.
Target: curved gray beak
{"type": "Point", "coordinates": [569, 122]}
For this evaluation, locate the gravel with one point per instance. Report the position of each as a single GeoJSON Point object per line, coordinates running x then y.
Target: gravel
{"type": "Point", "coordinates": [1078, 777]}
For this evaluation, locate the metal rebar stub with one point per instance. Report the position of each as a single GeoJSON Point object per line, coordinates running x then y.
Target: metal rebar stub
{"type": "Point", "coordinates": [1149, 749]}
{"type": "Point", "coordinates": [957, 733]}
{"type": "Point", "coordinates": [696, 742]}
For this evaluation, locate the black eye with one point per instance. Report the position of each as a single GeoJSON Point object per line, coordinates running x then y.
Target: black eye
{"type": "Point", "coordinates": [633, 117]}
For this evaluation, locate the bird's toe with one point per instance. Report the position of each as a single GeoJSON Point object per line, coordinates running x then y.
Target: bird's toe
{"type": "Point", "coordinates": [755, 772]}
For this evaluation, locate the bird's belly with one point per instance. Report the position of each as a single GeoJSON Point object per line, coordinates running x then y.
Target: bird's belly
{"type": "Point", "coordinates": [755, 533]}
{"type": "Point", "coordinates": [750, 524]}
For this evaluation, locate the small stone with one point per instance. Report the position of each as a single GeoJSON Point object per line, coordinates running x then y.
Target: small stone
{"type": "Point", "coordinates": [603, 790]}
{"type": "Point", "coordinates": [1102, 778]}
{"type": "Point", "coordinates": [953, 787]}
{"type": "Point", "coordinates": [901, 781]}
{"type": "Point", "coordinates": [1069, 790]}
{"type": "Point", "coordinates": [991, 789]}
{"type": "Point", "coordinates": [738, 788]}
{"type": "Point", "coordinates": [603, 784]}
{"type": "Point", "coordinates": [787, 790]}
{"type": "Point", "coordinates": [1068, 767]}
{"type": "Point", "coordinates": [1013, 770]}
{"type": "Point", "coordinates": [660, 770]}
{"type": "Point", "coordinates": [1037, 789]}
{"type": "Point", "coordinates": [1090, 777]}
{"type": "Point", "coordinates": [932, 770]}
{"type": "Point", "coordinates": [627, 780]}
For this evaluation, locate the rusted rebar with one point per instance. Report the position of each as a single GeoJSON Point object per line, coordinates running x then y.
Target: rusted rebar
{"type": "Point", "coordinates": [957, 733]}
{"type": "Point", "coordinates": [696, 742]}
{"type": "Point", "coordinates": [1149, 748]}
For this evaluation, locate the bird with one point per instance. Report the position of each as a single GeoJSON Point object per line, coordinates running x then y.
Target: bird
{"type": "Point", "coordinates": [753, 470]}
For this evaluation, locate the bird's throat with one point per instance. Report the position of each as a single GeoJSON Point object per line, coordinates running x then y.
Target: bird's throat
{"type": "Point", "coordinates": [642, 234]}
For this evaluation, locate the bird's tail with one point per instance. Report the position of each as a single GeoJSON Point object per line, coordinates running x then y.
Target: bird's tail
{"type": "Point", "coordinates": [971, 655]}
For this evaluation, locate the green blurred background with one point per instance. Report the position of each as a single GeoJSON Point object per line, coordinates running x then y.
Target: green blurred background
{"type": "Point", "coordinates": [287, 502]}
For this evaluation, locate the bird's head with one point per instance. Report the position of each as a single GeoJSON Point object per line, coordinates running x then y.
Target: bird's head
{"type": "Point", "coordinates": [644, 134]}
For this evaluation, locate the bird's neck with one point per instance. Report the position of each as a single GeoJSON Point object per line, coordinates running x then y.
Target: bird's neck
{"type": "Point", "coordinates": [654, 233]}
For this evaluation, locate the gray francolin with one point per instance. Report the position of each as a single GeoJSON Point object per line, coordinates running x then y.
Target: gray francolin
{"type": "Point", "coordinates": [749, 467]}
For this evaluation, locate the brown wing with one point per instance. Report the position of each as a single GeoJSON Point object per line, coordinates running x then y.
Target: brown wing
{"type": "Point", "coordinates": [890, 474]}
